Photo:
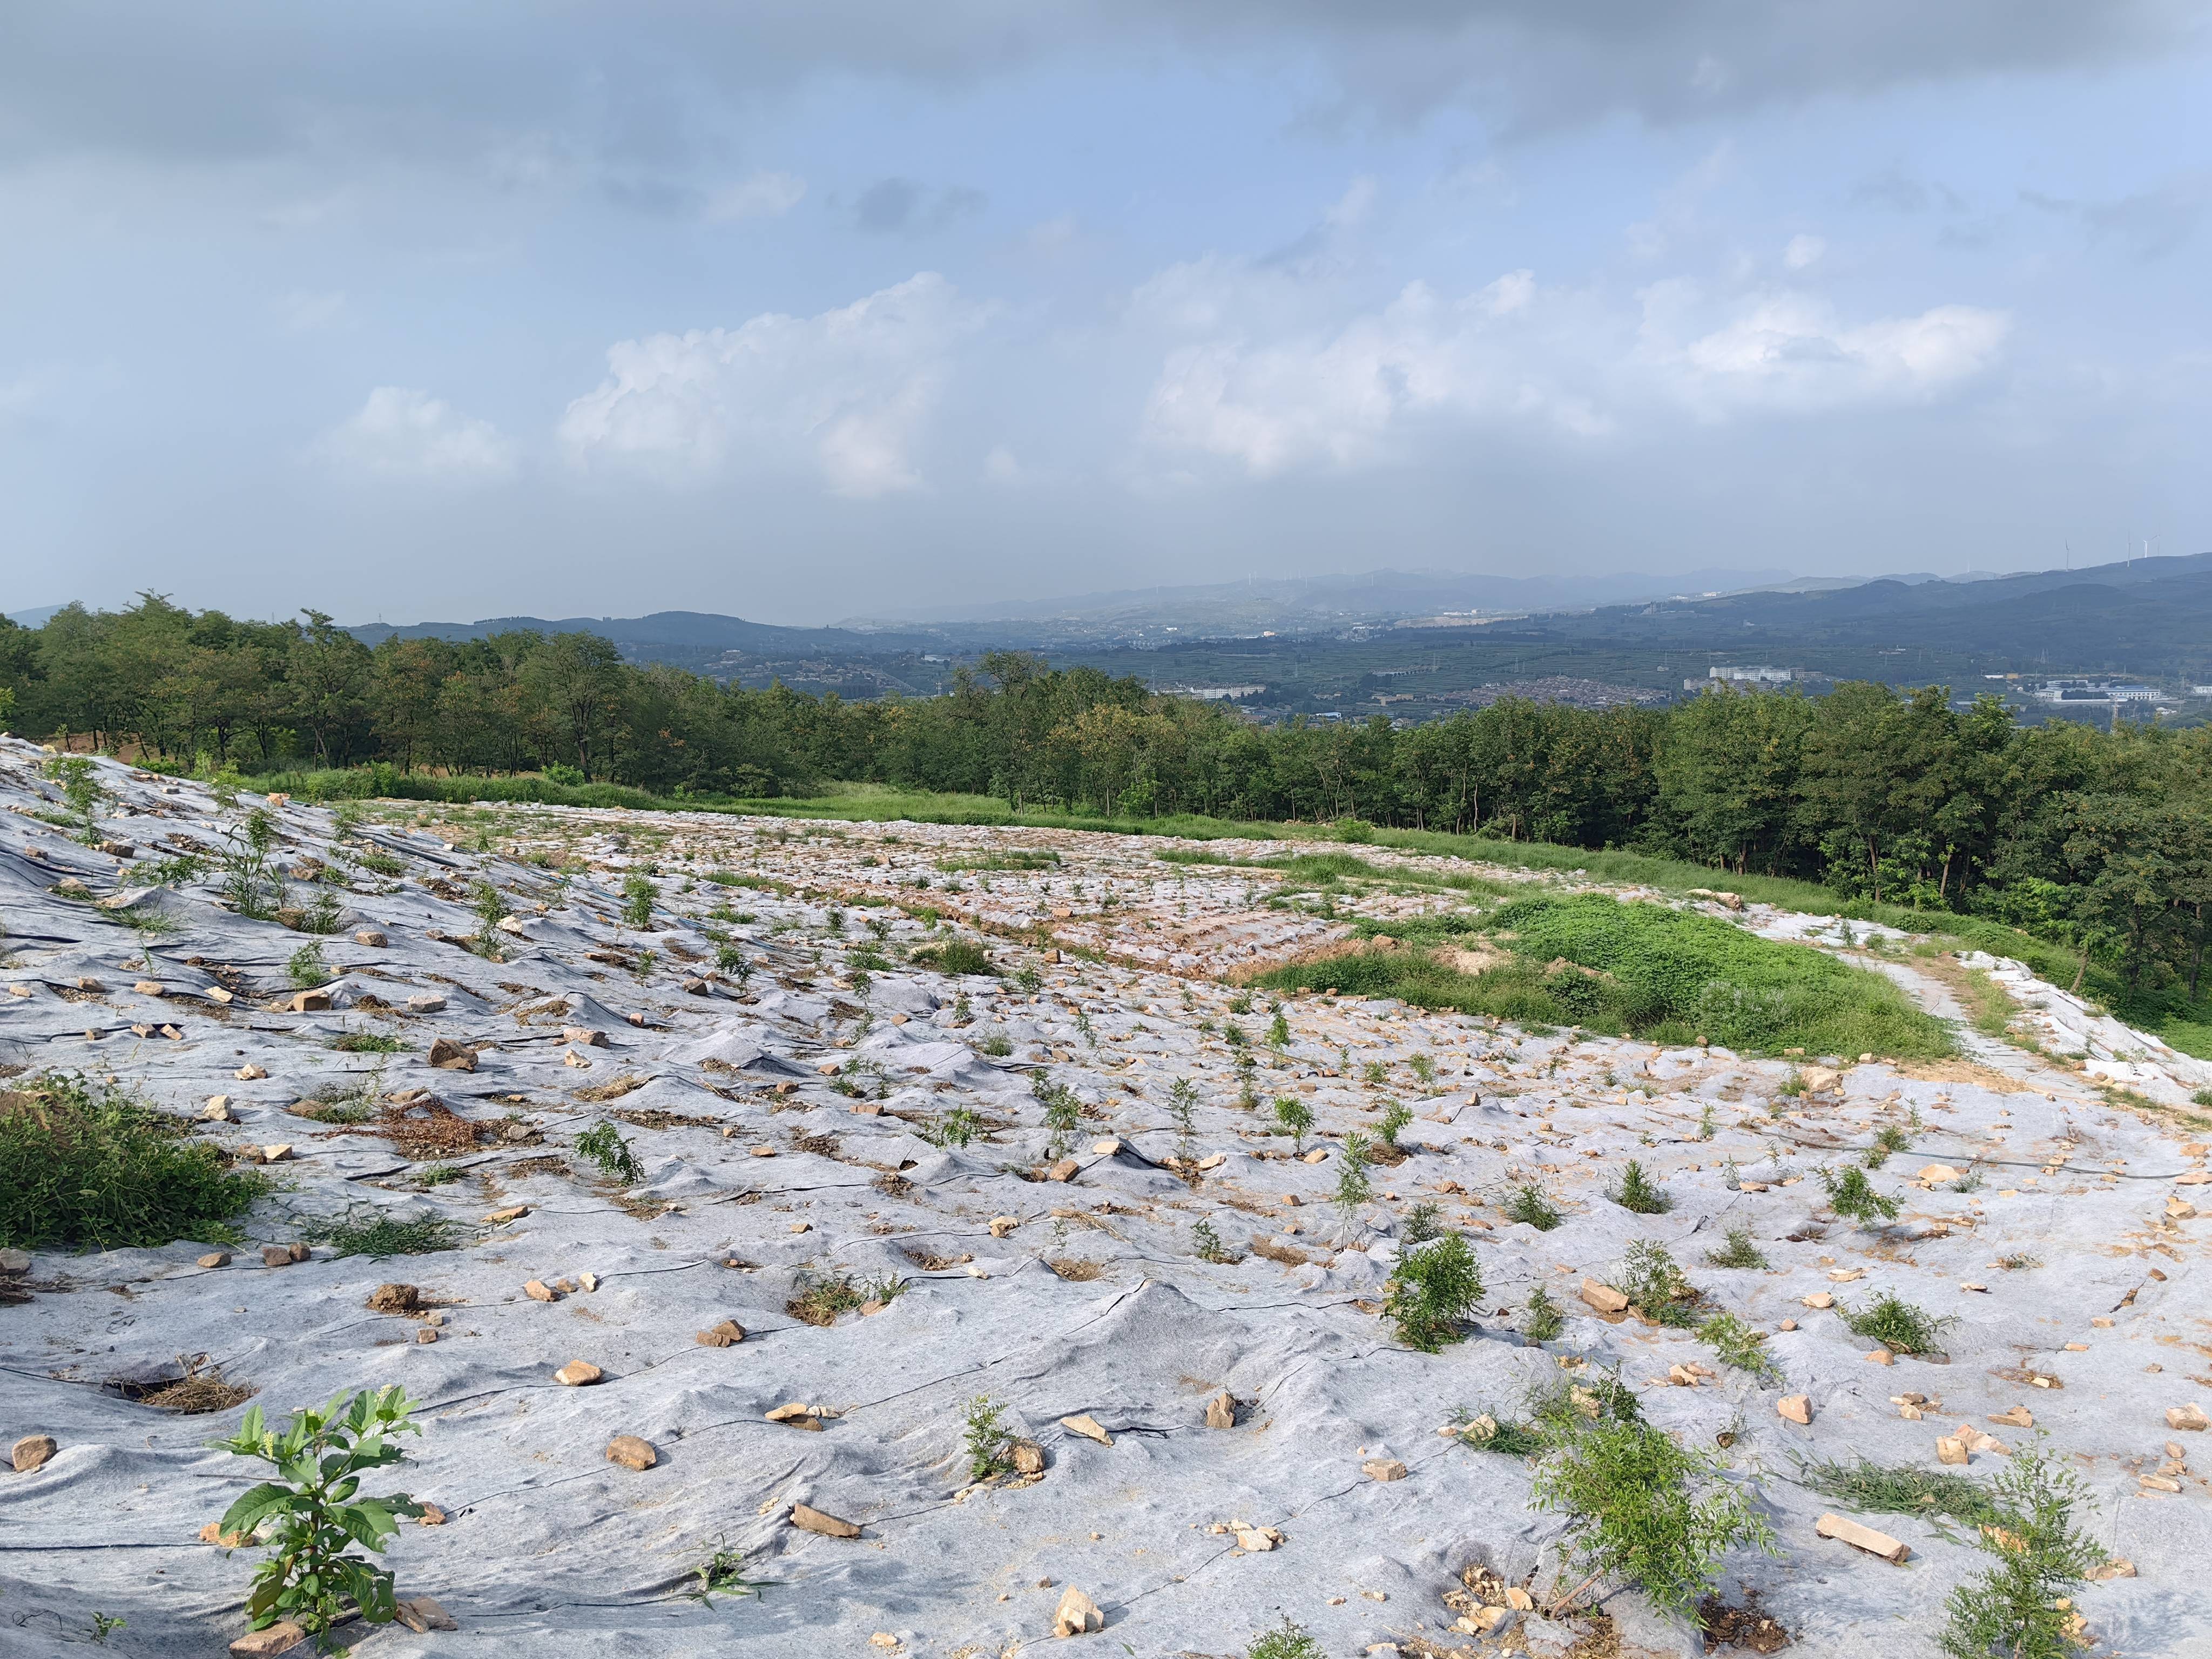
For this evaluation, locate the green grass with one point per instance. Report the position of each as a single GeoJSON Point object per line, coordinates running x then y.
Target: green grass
{"type": "Point", "coordinates": [1740, 1251]}
{"type": "Point", "coordinates": [368, 1042]}
{"type": "Point", "coordinates": [954, 957]}
{"type": "Point", "coordinates": [93, 1167]}
{"type": "Point", "coordinates": [1641, 968]}
{"type": "Point", "coordinates": [384, 1236]}
{"type": "Point", "coordinates": [1871, 1488]}
{"type": "Point", "coordinates": [1528, 1204]}
{"type": "Point", "coordinates": [1897, 1324]}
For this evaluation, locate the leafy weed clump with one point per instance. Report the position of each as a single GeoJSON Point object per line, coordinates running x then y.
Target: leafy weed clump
{"type": "Point", "coordinates": [384, 1236]}
{"type": "Point", "coordinates": [1897, 1325]}
{"type": "Point", "coordinates": [306, 968]}
{"type": "Point", "coordinates": [1851, 1195]}
{"type": "Point", "coordinates": [1297, 1119]}
{"type": "Point", "coordinates": [985, 1439]}
{"type": "Point", "coordinates": [1434, 1288]}
{"type": "Point", "coordinates": [1739, 1252]}
{"type": "Point", "coordinates": [956, 1126]}
{"type": "Point", "coordinates": [1393, 1123]}
{"type": "Point", "coordinates": [1288, 1640]}
{"type": "Point", "coordinates": [1739, 1345]}
{"type": "Point", "coordinates": [1542, 1319]}
{"type": "Point", "coordinates": [1649, 1277]}
{"type": "Point", "coordinates": [93, 1167]}
{"type": "Point", "coordinates": [954, 956]}
{"type": "Point", "coordinates": [1903, 1490]}
{"type": "Point", "coordinates": [316, 1513]}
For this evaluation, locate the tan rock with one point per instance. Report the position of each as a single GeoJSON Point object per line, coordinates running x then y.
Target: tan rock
{"type": "Point", "coordinates": [727, 1335]}
{"type": "Point", "coordinates": [1819, 1299]}
{"type": "Point", "coordinates": [1076, 1615]}
{"type": "Point", "coordinates": [1881, 1357]}
{"type": "Point", "coordinates": [1795, 1408]}
{"type": "Point", "coordinates": [32, 1452]}
{"type": "Point", "coordinates": [539, 1290]}
{"type": "Point", "coordinates": [807, 1519]}
{"type": "Point", "coordinates": [500, 1217]}
{"type": "Point", "coordinates": [422, 1613]}
{"type": "Point", "coordinates": [1256, 1540]}
{"type": "Point", "coordinates": [577, 1374]}
{"type": "Point", "coordinates": [1028, 1457]}
{"type": "Point", "coordinates": [1519, 1599]}
{"type": "Point", "coordinates": [1003, 1225]}
{"type": "Point", "coordinates": [217, 1110]}
{"type": "Point", "coordinates": [2190, 1416]}
{"type": "Point", "coordinates": [1107, 1147]}
{"type": "Point", "coordinates": [1937, 1174]}
{"type": "Point", "coordinates": [631, 1452]}
{"type": "Point", "coordinates": [1383, 1468]}
{"type": "Point", "coordinates": [394, 1299]}
{"type": "Point", "coordinates": [1950, 1448]}
{"type": "Point", "coordinates": [1603, 1298]}
{"type": "Point", "coordinates": [583, 1037]}
{"type": "Point", "coordinates": [1221, 1411]}
{"type": "Point", "coordinates": [312, 1002]}
{"type": "Point", "coordinates": [1089, 1427]}
{"type": "Point", "coordinates": [448, 1055]}
{"type": "Point", "coordinates": [1863, 1538]}
{"type": "Point", "coordinates": [371, 936]}
{"type": "Point", "coordinates": [148, 987]}
{"type": "Point", "coordinates": [275, 1255]}
{"type": "Point", "coordinates": [2118, 1566]}
{"type": "Point", "coordinates": [1067, 1169]}
{"type": "Point", "coordinates": [2018, 1417]}
{"type": "Point", "coordinates": [1319, 1155]}
{"type": "Point", "coordinates": [215, 1258]}
{"type": "Point", "coordinates": [280, 1638]}
{"type": "Point", "coordinates": [251, 1072]}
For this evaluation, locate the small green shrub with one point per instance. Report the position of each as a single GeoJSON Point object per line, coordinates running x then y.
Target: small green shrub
{"type": "Point", "coordinates": [1279, 1032]}
{"type": "Point", "coordinates": [1393, 1121]}
{"type": "Point", "coordinates": [1641, 1506]}
{"type": "Point", "coordinates": [491, 909]}
{"type": "Point", "coordinates": [722, 1573]}
{"type": "Point", "coordinates": [604, 1144]}
{"type": "Point", "coordinates": [1288, 1640]}
{"type": "Point", "coordinates": [985, 1439]}
{"type": "Point", "coordinates": [2020, 1608]}
{"type": "Point", "coordinates": [1853, 1195]}
{"type": "Point", "coordinates": [1890, 1138]}
{"type": "Point", "coordinates": [1434, 1288]}
{"type": "Point", "coordinates": [368, 1043]}
{"type": "Point", "coordinates": [1297, 1119]}
{"type": "Point", "coordinates": [639, 897]}
{"type": "Point", "coordinates": [1740, 1251]}
{"type": "Point", "coordinates": [1529, 1205]}
{"type": "Point", "coordinates": [317, 1512]}
{"type": "Point", "coordinates": [1375, 1074]}
{"type": "Point", "coordinates": [1422, 1223]}
{"type": "Point", "coordinates": [1423, 1067]}
{"type": "Point", "coordinates": [93, 1168]}
{"type": "Point", "coordinates": [996, 1043]}
{"type": "Point", "coordinates": [306, 968]}
{"type": "Point", "coordinates": [1897, 1324]}
{"type": "Point", "coordinates": [1063, 1113]}
{"type": "Point", "coordinates": [1638, 1191]}
{"type": "Point", "coordinates": [1542, 1319]}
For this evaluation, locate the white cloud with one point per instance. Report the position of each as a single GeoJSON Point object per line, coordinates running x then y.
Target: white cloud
{"type": "Point", "coordinates": [1804, 251]}
{"type": "Point", "coordinates": [846, 393]}
{"type": "Point", "coordinates": [1790, 351]}
{"type": "Point", "coordinates": [400, 432]}
{"type": "Point", "coordinates": [1346, 395]}
{"type": "Point", "coordinates": [763, 196]}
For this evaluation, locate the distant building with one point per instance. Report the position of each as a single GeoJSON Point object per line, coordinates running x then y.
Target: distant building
{"type": "Point", "coordinates": [1214, 693]}
{"type": "Point", "coordinates": [1753, 676]}
{"type": "Point", "coordinates": [2085, 690]}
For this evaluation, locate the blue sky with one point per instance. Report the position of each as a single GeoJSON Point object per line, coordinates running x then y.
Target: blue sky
{"type": "Point", "coordinates": [811, 312]}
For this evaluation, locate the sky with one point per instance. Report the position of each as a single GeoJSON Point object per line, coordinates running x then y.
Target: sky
{"type": "Point", "coordinates": [812, 309]}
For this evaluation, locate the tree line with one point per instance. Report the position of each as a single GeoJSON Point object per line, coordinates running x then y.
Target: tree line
{"type": "Point", "coordinates": [2095, 838]}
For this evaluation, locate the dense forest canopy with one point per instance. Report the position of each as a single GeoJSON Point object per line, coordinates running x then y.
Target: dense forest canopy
{"type": "Point", "coordinates": [2100, 839]}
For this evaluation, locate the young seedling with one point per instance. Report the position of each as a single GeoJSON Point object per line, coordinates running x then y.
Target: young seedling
{"type": "Point", "coordinates": [1423, 1068]}
{"type": "Point", "coordinates": [1393, 1119]}
{"type": "Point", "coordinates": [2021, 1608]}
{"type": "Point", "coordinates": [638, 896]}
{"type": "Point", "coordinates": [604, 1144]}
{"type": "Point", "coordinates": [1649, 1277]}
{"type": "Point", "coordinates": [1297, 1119]}
{"type": "Point", "coordinates": [1354, 1186]}
{"type": "Point", "coordinates": [1208, 1244]}
{"type": "Point", "coordinates": [306, 968]}
{"type": "Point", "coordinates": [315, 1511]}
{"type": "Point", "coordinates": [1738, 1345]}
{"type": "Point", "coordinates": [1434, 1288]}
{"type": "Point", "coordinates": [1851, 1195]}
{"type": "Point", "coordinates": [1541, 1319]}
{"type": "Point", "coordinates": [1183, 1107]}
{"type": "Point", "coordinates": [491, 909]}
{"type": "Point", "coordinates": [985, 1439]}
{"type": "Point", "coordinates": [1063, 1113]}
{"type": "Point", "coordinates": [1529, 1205]}
{"type": "Point", "coordinates": [1638, 1191]}
{"type": "Point", "coordinates": [956, 1127]}
{"type": "Point", "coordinates": [1279, 1032]}
{"type": "Point", "coordinates": [1288, 1640]}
